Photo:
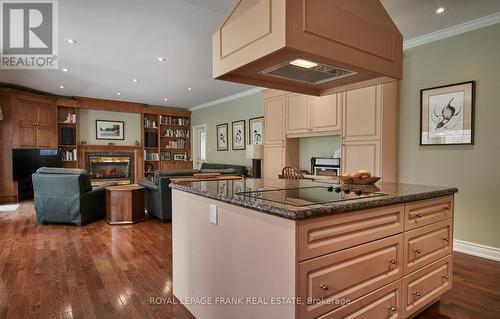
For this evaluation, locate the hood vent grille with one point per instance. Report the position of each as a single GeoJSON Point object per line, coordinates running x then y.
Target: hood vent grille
{"type": "Point", "coordinates": [318, 74]}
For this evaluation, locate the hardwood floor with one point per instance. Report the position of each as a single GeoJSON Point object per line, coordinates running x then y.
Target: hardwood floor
{"type": "Point", "coordinates": [102, 271]}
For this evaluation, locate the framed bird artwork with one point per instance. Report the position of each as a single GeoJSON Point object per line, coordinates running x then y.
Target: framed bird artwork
{"type": "Point", "coordinates": [447, 114]}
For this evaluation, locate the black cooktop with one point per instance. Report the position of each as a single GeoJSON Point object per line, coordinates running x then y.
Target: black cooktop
{"type": "Point", "coordinates": [306, 196]}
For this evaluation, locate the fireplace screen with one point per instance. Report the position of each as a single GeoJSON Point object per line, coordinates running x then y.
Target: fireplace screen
{"type": "Point", "coordinates": [110, 168]}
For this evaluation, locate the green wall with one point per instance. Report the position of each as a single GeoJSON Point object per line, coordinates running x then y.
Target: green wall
{"type": "Point", "coordinates": [323, 146]}
{"type": "Point", "coordinates": [473, 169]}
{"type": "Point", "coordinates": [243, 108]}
{"type": "Point", "coordinates": [86, 127]}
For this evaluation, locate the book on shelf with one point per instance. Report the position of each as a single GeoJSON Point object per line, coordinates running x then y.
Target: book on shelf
{"type": "Point", "coordinates": [171, 120]}
{"type": "Point", "coordinates": [176, 133]}
{"type": "Point", "coordinates": [151, 156]}
{"type": "Point", "coordinates": [148, 123]}
{"type": "Point", "coordinates": [175, 144]}
{"type": "Point", "coordinates": [70, 118]}
{"type": "Point", "coordinates": [69, 155]}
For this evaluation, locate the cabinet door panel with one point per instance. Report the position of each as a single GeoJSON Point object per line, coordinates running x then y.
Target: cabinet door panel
{"type": "Point", "coordinates": [46, 115]}
{"type": "Point", "coordinates": [362, 113]}
{"type": "Point", "coordinates": [426, 212]}
{"type": "Point", "coordinates": [361, 155]}
{"type": "Point", "coordinates": [319, 236]}
{"type": "Point", "coordinates": [274, 119]}
{"type": "Point", "coordinates": [274, 160]}
{"type": "Point", "coordinates": [27, 135]}
{"type": "Point", "coordinates": [427, 244]}
{"type": "Point", "coordinates": [297, 113]}
{"type": "Point", "coordinates": [27, 112]}
{"type": "Point", "coordinates": [382, 303]}
{"type": "Point", "coordinates": [44, 137]}
{"type": "Point", "coordinates": [348, 274]}
{"type": "Point", "coordinates": [326, 113]}
{"type": "Point", "coordinates": [425, 285]}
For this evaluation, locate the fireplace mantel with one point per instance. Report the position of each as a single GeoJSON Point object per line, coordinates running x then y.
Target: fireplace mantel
{"type": "Point", "coordinates": [136, 150]}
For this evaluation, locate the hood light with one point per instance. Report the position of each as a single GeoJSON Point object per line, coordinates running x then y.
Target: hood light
{"type": "Point", "coordinates": [303, 63]}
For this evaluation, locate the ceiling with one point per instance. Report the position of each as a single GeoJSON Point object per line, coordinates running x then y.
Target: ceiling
{"type": "Point", "coordinates": [121, 40]}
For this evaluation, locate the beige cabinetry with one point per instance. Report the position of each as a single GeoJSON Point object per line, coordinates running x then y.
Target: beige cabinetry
{"type": "Point", "coordinates": [310, 114]}
{"type": "Point", "coordinates": [365, 118]}
{"type": "Point", "coordinates": [278, 151]}
{"type": "Point", "coordinates": [274, 118]}
{"type": "Point", "coordinates": [385, 266]}
{"type": "Point", "coordinates": [370, 130]}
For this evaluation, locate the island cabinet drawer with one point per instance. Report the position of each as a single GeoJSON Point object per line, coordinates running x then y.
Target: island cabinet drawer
{"type": "Point", "coordinates": [425, 285]}
{"type": "Point", "coordinates": [425, 212]}
{"type": "Point", "coordinates": [324, 235]}
{"type": "Point", "coordinates": [326, 282]}
{"type": "Point", "coordinates": [384, 303]}
{"type": "Point", "coordinates": [427, 244]}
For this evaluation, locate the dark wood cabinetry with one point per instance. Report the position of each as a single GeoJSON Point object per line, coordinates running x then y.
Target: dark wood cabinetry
{"type": "Point", "coordinates": [36, 122]}
{"type": "Point", "coordinates": [29, 122]}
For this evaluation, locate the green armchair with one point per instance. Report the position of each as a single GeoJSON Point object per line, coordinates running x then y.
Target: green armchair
{"type": "Point", "coordinates": [65, 195]}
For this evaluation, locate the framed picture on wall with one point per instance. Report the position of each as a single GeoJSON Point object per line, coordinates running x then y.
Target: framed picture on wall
{"type": "Point", "coordinates": [256, 130]}
{"type": "Point", "coordinates": [238, 133]}
{"type": "Point", "coordinates": [109, 130]}
{"type": "Point", "coordinates": [222, 138]}
{"type": "Point", "coordinates": [447, 114]}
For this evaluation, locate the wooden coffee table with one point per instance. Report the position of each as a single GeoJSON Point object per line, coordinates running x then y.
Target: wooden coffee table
{"type": "Point", "coordinates": [125, 204]}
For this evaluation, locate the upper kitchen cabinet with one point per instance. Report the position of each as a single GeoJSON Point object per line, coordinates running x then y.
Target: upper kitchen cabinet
{"type": "Point", "coordinates": [309, 47]}
{"type": "Point", "coordinates": [313, 116]}
{"type": "Point", "coordinates": [297, 114]}
{"type": "Point", "coordinates": [274, 117]}
{"type": "Point", "coordinates": [326, 113]}
{"type": "Point", "coordinates": [362, 114]}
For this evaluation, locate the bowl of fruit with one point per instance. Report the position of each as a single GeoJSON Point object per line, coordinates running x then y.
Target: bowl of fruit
{"type": "Point", "coordinates": [361, 177]}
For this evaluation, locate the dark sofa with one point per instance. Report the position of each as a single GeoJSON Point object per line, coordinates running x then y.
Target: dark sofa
{"type": "Point", "coordinates": [159, 195]}
{"type": "Point", "coordinates": [65, 195]}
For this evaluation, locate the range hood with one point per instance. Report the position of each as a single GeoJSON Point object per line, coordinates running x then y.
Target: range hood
{"type": "Point", "coordinates": [314, 47]}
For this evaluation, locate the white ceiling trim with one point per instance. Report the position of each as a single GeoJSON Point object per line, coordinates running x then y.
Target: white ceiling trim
{"type": "Point", "coordinates": [227, 98]}
{"type": "Point", "coordinates": [452, 31]}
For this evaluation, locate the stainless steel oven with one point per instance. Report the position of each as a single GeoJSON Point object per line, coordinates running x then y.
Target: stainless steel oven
{"type": "Point", "coordinates": [325, 166]}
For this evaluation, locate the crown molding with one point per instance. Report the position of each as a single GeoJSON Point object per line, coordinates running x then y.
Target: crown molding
{"type": "Point", "coordinates": [452, 31]}
{"type": "Point", "coordinates": [227, 98]}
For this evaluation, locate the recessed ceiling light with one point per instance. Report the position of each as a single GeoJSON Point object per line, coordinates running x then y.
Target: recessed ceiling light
{"type": "Point", "coordinates": [65, 70]}
{"type": "Point", "coordinates": [61, 86]}
{"type": "Point", "coordinates": [118, 93]}
{"type": "Point", "coordinates": [303, 63]}
{"type": "Point", "coordinates": [70, 41]}
{"type": "Point", "coordinates": [161, 59]}
{"type": "Point", "coordinates": [165, 99]}
{"type": "Point", "coordinates": [440, 10]}
{"type": "Point", "coordinates": [190, 89]}
{"type": "Point", "coordinates": [135, 80]}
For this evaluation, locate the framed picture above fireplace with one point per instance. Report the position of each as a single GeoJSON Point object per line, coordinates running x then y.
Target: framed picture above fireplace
{"type": "Point", "coordinates": [109, 130]}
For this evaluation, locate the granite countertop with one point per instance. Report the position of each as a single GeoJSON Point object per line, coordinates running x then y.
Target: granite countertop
{"type": "Point", "coordinates": [229, 191]}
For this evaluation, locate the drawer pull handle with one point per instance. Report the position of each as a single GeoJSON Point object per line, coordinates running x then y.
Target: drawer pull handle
{"type": "Point", "coordinates": [417, 294]}
{"type": "Point", "coordinates": [323, 286]}
{"type": "Point", "coordinates": [419, 215]}
{"type": "Point", "coordinates": [392, 309]}
{"type": "Point", "coordinates": [418, 251]}
{"type": "Point", "coordinates": [446, 240]}
{"type": "Point", "coordinates": [392, 261]}
{"type": "Point", "coordinates": [445, 277]}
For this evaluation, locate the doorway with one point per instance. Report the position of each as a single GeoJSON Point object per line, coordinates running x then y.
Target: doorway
{"type": "Point", "coordinates": [199, 145]}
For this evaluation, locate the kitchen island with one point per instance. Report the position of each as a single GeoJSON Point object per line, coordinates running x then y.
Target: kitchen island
{"type": "Point", "coordinates": [302, 249]}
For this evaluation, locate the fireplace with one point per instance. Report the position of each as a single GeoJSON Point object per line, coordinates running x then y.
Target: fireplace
{"type": "Point", "coordinates": [105, 167]}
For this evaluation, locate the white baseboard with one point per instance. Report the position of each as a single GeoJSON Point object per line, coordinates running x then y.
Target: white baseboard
{"type": "Point", "coordinates": [476, 250]}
